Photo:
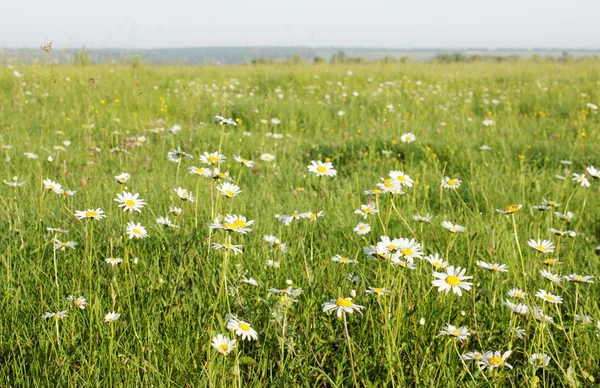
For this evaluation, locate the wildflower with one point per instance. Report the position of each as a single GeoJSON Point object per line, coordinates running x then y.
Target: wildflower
{"type": "Point", "coordinates": [250, 281]}
{"type": "Point", "coordinates": [312, 216]}
{"type": "Point", "coordinates": [52, 186]}
{"type": "Point", "coordinates": [166, 222]}
{"type": "Point", "coordinates": [229, 190]}
{"type": "Point", "coordinates": [462, 333]}
{"type": "Point", "coordinates": [454, 228]}
{"type": "Point", "coordinates": [275, 244]}
{"type": "Point", "coordinates": [362, 229]}
{"type": "Point", "coordinates": [593, 172]}
{"type": "Point", "coordinates": [212, 158]}
{"type": "Point", "coordinates": [476, 356]}
{"type": "Point", "coordinates": [322, 169]}
{"type": "Point", "coordinates": [203, 171]}
{"type": "Point", "coordinates": [14, 182]}
{"type": "Point", "coordinates": [408, 137]}
{"type": "Point", "coordinates": [79, 302]}
{"type": "Point", "coordinates": [111, 317]}
{"type": "Point", "coordinates": [228, 246]}
{"type": "Point", "coordinates": [543, 246]}
{"type": "Point", "coordinates": [241, 328]}
{"type": "Point", "coordinates": [518, 332]}
{"type": "Point", "coordinates": [550, 276]}
{"type": "Point", "coordinates": [184, 194]}
{"type": "Point", "coordinates": [130, 202]}
{"type": "Point", "coordinates": [550, 203]}
{"type": "Point", "coordinates": [122, 178]}
{"type": "Point", "coordinates": [539, 315]}
{"type": "Point", "coordinates": [574, 278]}
{"type": "Point", "coordinates": [377, 290]}
{"type": "Point", "coordinates": [539, 360]}
{"type": "Point", "coordinates": [425, 218]}
{"type": "Point", "coordinates": [436, 261]}
{"type": "Point", "coordinates": [60, 245]}
{"type": "Point", "coordinates": [365, 210]}
{"type": "Point", "coordinates": [136, 230]}
{"type": "Point", "coordinates": [245, 162]}
{"type": "Point", "coordinates": [113, 260]}
{"type": "Point", "coordinates": [550, 298]}
{"type": "Point", "coordinates": [267, 157]}
{"type": "Point", "coordinates": [568, 216]}
{"type": "Point", "coordinates": [177, 155]}
{"type": "Point", "coordinates": [342, 259]}
{"type": "Point", "coordinates": [517, 293]}
{"type": "Point", "coordinates": [97, 214]}
{"type": "Point", "coordinates": [57, 316]}
{"type": "Point", "coordinates": [401, 178]}
{"type": "Point", "coordinates": [233, 223]}
{"type": "Point", "coordinates": [582, 180]}
{"type": "Point", "coordinates": [493, 267]}
{"type": "Point", "coordinates": [451, 183]}
{"type": "Point", "coordinates": [520, 309]}
{"type": "Point", "coordinates": [583, 318]}
{"type": "Point", "coordinates": [510, 209]}
{"type": "Point", "coordinates": [485, 148]}
{"type": "Point", "coordinates": [551, 261]}
{"type": "Point", "coordinates": [408, 263]}
{"type": "Point", "coordinates": [452, 279]}
{"type": "Point", "coordinates": [488, 122]}
{"type": "Point", "coordinates": [176, 211]}
{"type": "Point", "coordinates": [223, 344]}
{"type": "Point", "coordinates": [492, 360]}
{"type": "Point", "coordinates": [341, 305]}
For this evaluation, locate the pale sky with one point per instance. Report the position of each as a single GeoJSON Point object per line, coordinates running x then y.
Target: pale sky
{"type": "Point", "coordinates": [348, 23]}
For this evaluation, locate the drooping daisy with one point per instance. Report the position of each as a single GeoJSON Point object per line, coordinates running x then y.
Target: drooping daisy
{"type": "Point", "coordinates": [212, 158]}
{"type": "Point", "coordinates": [510, 209]}
{"type": "Point", "coordinates": [223, 344]}
{"type": "Point", "coordinates": [111, 317]}
{"type": "Point", "coordinates": [177, 155]}
{"type": "Point", "coordinates": [493, 360]}
{"type": "Point", "coordinates": [246, 162]}
{"type": "Point", "coordinates": [343, 259]}
{"type": "Point", "coordinates": [122, 178]}
{"type": "Point", "coordinates": [520, 309]}
{"type": "Point", "coordinates": [568, 216]}
{"type": "Point", "coordinates": [493, 267]}
{"type": "Point", "coordinates": [451, 183]}
{"type": "Point", "coordinates": [241, 328]}
{"type": "Point", "coordinates": [462, 333]}
{"type": "Point", "coordinates": [136, 230]}
{"type": "Point", "coordinates": [184, 194]}
{"type": "Point", "coordinates": [548, 297]}
{"type": "Point", "coordinates": [366, 210]}
{"type": "Point", "coordinates": [322, 169]}
{"type": "Point", "coordinates": [341, 305]}
{"type": "Point", "coordinates": [80, 302]}
{"type": "Point", "coordinates": [452, 279]}
{"type": "Point", "coordinates": [543, 246]}
{"type": "Point", "coordinates": [454, 228]}
{"type": "Point", "coordinates": [236, 249]}
{"type": "Point", "coordinates": [408, 137]}
{"type": "Point", "coordinates": [267, 157]}
{"type": "Point", "coordinates": [275, 244]}
{"type": "Point", "coordinates": [113, 260]}
{"type": "Point", "coordinates": [229, 190]}
{"type": "Point", "coordinates": [362, 229]}
{"type": "Point", "coordinates": [539, 315]}
{"type": "Point", "coordinates": [97, 214]}
{"type": "Point", "coordinates": [130, 202]}
{"type": "Point", "coordinates": [52, 186]}
{"type": "Point", "coordinates": [165, 221]}
{"type": "Point", "coordinates": [425, 218]}
{"type": "Point", "coordinates": [551, 277]}
{"type": "Point", "coordinates": [475, 356]}
{"type": "Point", "coordinates": [539, 360]}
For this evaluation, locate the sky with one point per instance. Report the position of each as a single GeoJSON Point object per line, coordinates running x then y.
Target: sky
{"type": "Point", "coordinates": [314, 23]}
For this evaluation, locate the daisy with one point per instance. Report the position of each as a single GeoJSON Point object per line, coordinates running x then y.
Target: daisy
{"type": "Point", "coordinates": [543, 246]}
{"type": "Point", "coordinates": [451, 183]}
{"type": "Point", "coordinates": [136, 230]}
{"type": "Point", "coordinates": [488, 123]}
{"type": "Point", "coordinates": [510, 209]}
{"type": "Point", "coordinates": [377, 290]}
{"type": "Point", "coordinates": [113, 260]}
{"type": "Point", "coordinates": [97, 214]}
{"type": "Point", "coordinates": [539, 360]}
{"type": "Point", "coordinates": [493, 267]}
{"type": "Point", "coordinates": [518, 332]}
{"type": "Point", "coordinates": [312, 216]}
{"type": "Point", "coordinates": [541, 208]}
{"type": "Point", "coordinates": [568, 216]}
{"type": "Point", "coordinates": [341, 305]}
{"type": "Point", "coordinates": [52, 186]}
{"type": "Point", "coordinates": [267, 157]}
{"type": "Point", "coordinates": [454, 228]}
{"type": "Point", "coordinates": [550, 298]}
{"type": "Point", "coordinates": [166, 222]}
{"type": "Point", "coordinates": [250, 281]}
{"type": "Point", "coordinates": [549, 202]}
{"type": "Point", "coordinates": [177, 155]}
{"type": "Point", "coordinates": [245, 162]}
{"type": "Point", "coordinates": [122, 178]}
{"type": "Point", "coordinates": [476, 356]}
{"type": "Point", "coordinates": [539, 315]}
{"type": "Point", "coordinates": [574, 278]}
{"type": "Point", "coordinates": [425, 218]}
{"type": "Point", "coordinates": [230, 247]}
{"type": "Point", "coordinates": [582, 180]}
{"type": "Point", "coordinates": [241, 328]}
{"type": "Point", "coordinates": [517, 293]}
{"type": "Point", "coordinates": [408, 263]}
{"type": "Point", "coordinates": [409, 249]}
{"type": "Point", "coordinates": [234, 223]}
{"type": "Point", "coordinates": [62, 245]}
{"type": "Point", "coordinates": [57, 316]}
{"type": "Point", "coordinates": [213, 158]}
{"type": "Point", "coordinates": [130, 202]}
{"type": "Point", "coordinates": [520, 309]}
{"type": "Point", "coordinates": [408, 137]}
{"type": "Point", "coordinates": [203, 171]}
{"type": "Point", "coordinates": [402, 178]}
{"type": "Point", "coordinates": [184, 194]}
{"type": "Point", "coordinates": [492, 360]}
{"type": "Point", "coordinates": [550, 276]}
{"type": "Point", "coordinates": [593, 172]}
{"type": "Point", "coordinates": [485, 148]}
{"type": "Point", "coordinates": [462, 333]}
{"type": "Point", "coordinates": [362, 229]}
{"type": "Point", "coordinates": [436, 261]}
{"type": "Point", "coordinates": [322, 169]}
{"type": "Point", "coordinates": [229, 190]}
{"type": "Point", "coordinates": [342, 259]}
{"type": "Point", "coordinates": [30, 155]}
{"type": "Point", "coordinates": [111, 317]}
{"type": "Point", "coordinates": [365, 210]}
{"type": "Point", "coordinates": [583, 318]}
{"type": "Point", "coordinates": [275, 244]}
{"type": "Point", "coordinates": [452, 279]}
{"type": "Point", "coordinates": [79, 302]}
{"type": "Point", "coordinates": [273, 264]}
{"type": "Point", "coordinates": [14, 182]}
{"type": "Point", "coordinates": [551, 261]}
{"type": "Point", "coordinates": [223, 344]}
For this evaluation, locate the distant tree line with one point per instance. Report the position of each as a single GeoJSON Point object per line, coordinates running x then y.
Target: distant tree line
{"type": "Point", "coordinates": [463, 58]}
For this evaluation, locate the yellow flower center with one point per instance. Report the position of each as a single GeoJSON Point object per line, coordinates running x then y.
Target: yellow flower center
{"type": "Point", "coordinates": [455, 332]}
{"type": "Point", "coordinates": [511, 209]}
{"type": "Point", "coordinates": [224, 347]}
{"type": "Point", "coordinates": [321, 169]}
{"type": "Point", "coordinates": [229, 193]}
{"type": "Point", "coordinates": [344, 259]}
{"type": "Point", "coordinates": [401, 178]}
{"type": "Point", "coordinates": [240, 223]}
{"type": "Point", "coordinates": [552, 203]}
{"type": "Point", "coordinates": [213, 159]}
{"type": "Point", "coordinates": [451, 182]}
{"type": "Point", "coordinates": [376, 191]}
{"type": "Point", "coordinates": [541, 248]}
{"type": "Point", "coordinates": [549, 298]}
{"type": "Point", "coordinates": [343, 302]}
{"type": "Point", "coordinates": [392, 247]}
{"type": "Point", "coordinates": [549, 261]}
{"type": "Point", "coordinates": [294, 214]}
{"type": "Point", "coordinates": [366, 210]}
{"type": "Point", "coordinates": [136, 231]}
{"type": "Point", "coordinates": [406, 251]}
{"type": "Point", "coordinates": [379, 290]}
{"type": "Point", "coordinates": [453, 280]}
{"type": "Point", "coordinates": [244, 326]}
{"type": "Point", "coordinates": [91, 214]}
{"type": "Point", "coordinates": [497, 361]}
{"type": "Point", "coordinates": [233, 226]}
{"type": "Point", "coordinates": [130, 203]}
{"type": "Point", "coordinates": [313, 215]}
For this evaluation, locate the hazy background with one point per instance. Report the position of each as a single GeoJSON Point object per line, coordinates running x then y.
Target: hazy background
{"type": "Point", "coordinates": [312, 23]}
